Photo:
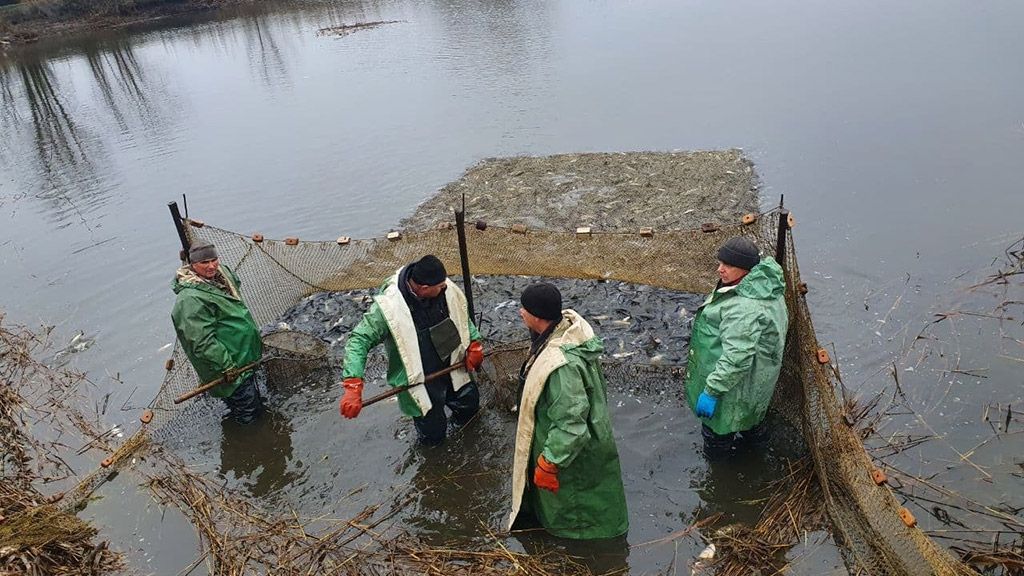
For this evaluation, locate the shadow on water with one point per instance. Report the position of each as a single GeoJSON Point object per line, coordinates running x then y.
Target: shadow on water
{"type": "Point", "coordinates": [257, 456]}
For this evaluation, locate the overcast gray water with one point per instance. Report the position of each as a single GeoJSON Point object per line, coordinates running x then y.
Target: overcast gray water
{"type": "Point", "coordinates": [894, 129]}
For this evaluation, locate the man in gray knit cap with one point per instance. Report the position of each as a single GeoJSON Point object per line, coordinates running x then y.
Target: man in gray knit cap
{"type": "Point", "coordinates": [736, 349]}
{"type": "Point", "coordinates": [217, 331]}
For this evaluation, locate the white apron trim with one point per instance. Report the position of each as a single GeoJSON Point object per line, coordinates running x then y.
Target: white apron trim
{"type": "Point", "coordinates": [403, 331]}
{"type": "Point", "coordinates": [573, 329]}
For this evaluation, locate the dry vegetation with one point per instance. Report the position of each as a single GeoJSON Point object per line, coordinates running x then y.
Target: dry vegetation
{"type": "Point", "coordinates": [37, 536]}
{"type": "Point", "coordinates": [238, 538]}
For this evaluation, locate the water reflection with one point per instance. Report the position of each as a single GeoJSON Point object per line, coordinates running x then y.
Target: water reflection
{"type": "Point", "coordinates": [608, 556]}
{"type": "Point", "coordinates": [463, 482]}
{"type": "Point", "coordinates": [67, 167]}
{"type": "Point", "coordinates": [258, 454]}
{"type": "Point", "coordinates": [62, 161]}
{"type": "Point", "coordinates": [120, 80]}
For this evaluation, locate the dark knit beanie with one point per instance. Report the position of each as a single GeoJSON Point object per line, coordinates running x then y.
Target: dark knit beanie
{"type": "Point", "coordinates": [201, 251]}
{"type": "Point", "coordinates": [543, 301]}
{"type": "Point", "coordinates": [739, 252]}
{"type": "Point", "coordinates": [428, 271]}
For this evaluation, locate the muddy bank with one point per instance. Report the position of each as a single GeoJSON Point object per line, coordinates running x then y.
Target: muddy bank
{"type": "Point", "coordinates": [29, 22]}
{"type": "Point", "coordinates": [608, 191]}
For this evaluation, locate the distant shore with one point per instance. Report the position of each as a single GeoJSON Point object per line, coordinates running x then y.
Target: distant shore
{"type": "Point", "coordinates": [30, 21]}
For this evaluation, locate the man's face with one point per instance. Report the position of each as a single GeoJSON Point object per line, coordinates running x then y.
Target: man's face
{"type": "Point", "coordinates": [730, 274]}
{"type": "Point", "coordinates": [427, 292]}
{"type": "Point", "coordinates": [207, 268]}
{"type": "Point", "coordinates": [529, 320]}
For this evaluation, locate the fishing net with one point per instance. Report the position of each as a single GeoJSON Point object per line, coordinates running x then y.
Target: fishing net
{"type": "Point", "coordinates": [278, 274]}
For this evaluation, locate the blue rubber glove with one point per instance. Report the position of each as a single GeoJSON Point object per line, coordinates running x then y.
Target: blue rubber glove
{"type": "Point", "coordinates": [706, 405]}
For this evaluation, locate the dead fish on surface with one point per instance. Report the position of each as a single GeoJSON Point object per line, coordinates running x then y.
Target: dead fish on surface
{"type": "Point", "coordinates": [704, 559]}
{"type": "Point", "coordinates": [78, 343]}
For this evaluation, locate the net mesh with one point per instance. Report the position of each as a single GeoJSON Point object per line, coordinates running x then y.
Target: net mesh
{"type": "Point", "coordinates": [278, 274]}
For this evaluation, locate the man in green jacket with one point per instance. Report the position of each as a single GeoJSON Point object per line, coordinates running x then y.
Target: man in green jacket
{"type": "Point", "coordinates": [216, 329]}
{"type": "Point", "coordinates": [423, 319]}
{"type": "Point", "coordinates": [565, 469]}
{"type": "Point", "coordinates": [736, 349]}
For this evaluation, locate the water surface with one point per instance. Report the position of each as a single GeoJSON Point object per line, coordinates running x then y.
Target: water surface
{"type": "Point", "coordinates": [895, 131]}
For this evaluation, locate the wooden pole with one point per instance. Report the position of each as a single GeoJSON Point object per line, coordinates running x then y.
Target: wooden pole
{"type": "Point", "coordinates": [214, 383]}
{"type": "Point", "coordinates": [399, 389]}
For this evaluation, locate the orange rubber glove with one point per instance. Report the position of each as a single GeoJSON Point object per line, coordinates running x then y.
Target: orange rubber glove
{"type": "Point", "coordinates": [352, 402]}
{"type": "Point", "coordinates": [545, 475]}
{"type": "Point", "coordinates": [474, 356]}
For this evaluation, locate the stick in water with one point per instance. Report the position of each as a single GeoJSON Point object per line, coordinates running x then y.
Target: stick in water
{"type": "Point", "coordinates": [214, 383]}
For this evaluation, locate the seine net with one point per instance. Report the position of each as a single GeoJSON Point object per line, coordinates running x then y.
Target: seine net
{"type": "Point", "coordinates": [278, 274]}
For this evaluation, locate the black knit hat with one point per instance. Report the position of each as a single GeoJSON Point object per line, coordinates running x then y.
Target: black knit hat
{"type": "Point", "coordinates": [201, 251]}
{"type": "Point", "coordinates": [739, 252]}
{"type": "Point", "coordinates": [543, 301]}
{"type": "Point", "coordinates": [427, 271]}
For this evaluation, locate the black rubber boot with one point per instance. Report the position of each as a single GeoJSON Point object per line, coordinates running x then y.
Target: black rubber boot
{"type": "Point", "coordinates": [716, 446]}
{"type": "Point", "coordinates": [245, 404]}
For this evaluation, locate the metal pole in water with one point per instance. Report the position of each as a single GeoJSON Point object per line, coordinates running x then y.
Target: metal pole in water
{"type": "Point", "coordinates": [460, 227]}
{"type": "Point", "coordinates": [179, 225]}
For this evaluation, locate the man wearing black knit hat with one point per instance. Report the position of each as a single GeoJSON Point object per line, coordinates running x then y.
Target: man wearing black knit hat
{"type": "Point", "coordinates": [736, 348]}
{"type": "Point", "coordinates": [565, 469]}
{"type": "Point", "coordinates": [423, 319]}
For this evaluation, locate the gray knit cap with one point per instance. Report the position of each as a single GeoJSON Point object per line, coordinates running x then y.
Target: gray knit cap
{"type": "Point", "coordinates": [201, 251]}
{"type": "Point", "coordinates": [739, 252]}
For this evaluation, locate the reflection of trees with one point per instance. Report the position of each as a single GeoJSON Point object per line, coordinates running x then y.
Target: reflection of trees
{"type": "Point", "coordinates": [64, 134]}
{"type": "Point", "coordinates": [264, 53]}
{"type": "Point", "coordinates": [59, 151]}
{"type": "Point", "coordinates": [118, 76]}
{"type": "Point", "coordinates": [257, 29]}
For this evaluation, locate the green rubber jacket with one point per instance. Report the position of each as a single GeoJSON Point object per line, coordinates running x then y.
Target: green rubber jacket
{"type": "Point", "coordinates": [215, 328]}
{"type": "Point", "coordinates": [371, 331]}
{"type": "Point", "coordinates": [574, 432]}
{"type": "Point", "coordinates": [736, 348]}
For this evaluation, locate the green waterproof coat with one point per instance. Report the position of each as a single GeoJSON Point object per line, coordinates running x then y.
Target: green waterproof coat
{"type": "Point", "coordinates": [388, 320]}
{"type": "Point", "coordinates": [736, 348]}
{"type": "Point", "coordinates": [215, 327]}
{"type": "Point", "coordinates": [571, 426]}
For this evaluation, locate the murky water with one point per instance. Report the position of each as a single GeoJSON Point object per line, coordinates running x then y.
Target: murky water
{"type": "Point", "coordinates": [895, 132]}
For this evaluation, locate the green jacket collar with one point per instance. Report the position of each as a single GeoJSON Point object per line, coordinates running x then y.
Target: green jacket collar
{"type": "Point", "coordinates": [763, 282]}
{"type": "Point", "coordinates": [185, 277]}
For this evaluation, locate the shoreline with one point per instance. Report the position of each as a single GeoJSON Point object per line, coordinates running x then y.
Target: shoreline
{"type": "Point", "coordinates": [35, 27]}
